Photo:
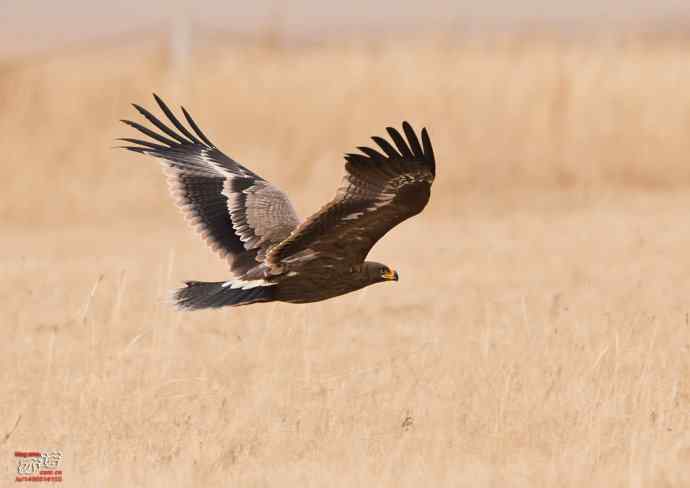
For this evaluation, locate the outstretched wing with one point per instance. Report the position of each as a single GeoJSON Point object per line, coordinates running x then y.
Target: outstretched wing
{"type": "Point", "coordinates": [239, 214]}
{"type": "Point", "coordinates": [379, 191]}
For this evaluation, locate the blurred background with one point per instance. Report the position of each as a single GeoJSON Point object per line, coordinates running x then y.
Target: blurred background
{"type": "Point", "coordinates": [535, 93]}
{"type": "Point", "coordinates": [538, 336]}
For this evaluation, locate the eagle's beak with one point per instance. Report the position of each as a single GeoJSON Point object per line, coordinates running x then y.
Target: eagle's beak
{"type": "Point", "coordinates": [390, 275]}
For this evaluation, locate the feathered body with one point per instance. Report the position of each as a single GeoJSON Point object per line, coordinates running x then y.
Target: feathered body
{"type": "Point", "coordinates": [253, 226]}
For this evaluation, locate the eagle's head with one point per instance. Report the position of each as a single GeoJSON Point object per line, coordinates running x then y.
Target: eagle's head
{"type": "Point", "coordinates": [377, 272]}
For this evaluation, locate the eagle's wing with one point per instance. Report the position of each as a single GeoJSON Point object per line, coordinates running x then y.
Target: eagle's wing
{"type": "Point", "coordinates": [379, 191]}
{"type": "Point", "coordinates": [239, 214]}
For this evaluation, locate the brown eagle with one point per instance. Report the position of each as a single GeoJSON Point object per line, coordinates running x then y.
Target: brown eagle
{"type": "Point", "coordinates": [252, 225]}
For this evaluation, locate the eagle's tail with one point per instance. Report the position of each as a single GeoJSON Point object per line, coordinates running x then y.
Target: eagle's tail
{"type": "Point", "coordinates": [199, 294]}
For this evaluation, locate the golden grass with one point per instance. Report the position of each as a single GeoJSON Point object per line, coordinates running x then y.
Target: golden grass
{"type": "Point", "coordinates": [544, 341]}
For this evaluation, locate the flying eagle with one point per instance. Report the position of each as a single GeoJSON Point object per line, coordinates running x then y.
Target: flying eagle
{"type": "Point", "coordinates": [253, 226]}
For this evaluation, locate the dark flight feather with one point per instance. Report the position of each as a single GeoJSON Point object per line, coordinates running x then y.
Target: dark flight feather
{"type": "Point", "coordinates": [171, 117]}
{"type": "Point", "coordinates": [195, 127]}
{"type": "Point", "coordinates": [403, 148]}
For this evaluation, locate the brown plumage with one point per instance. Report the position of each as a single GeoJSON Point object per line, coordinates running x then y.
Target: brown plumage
{"type": "Point", "coordinates": [253, 226]}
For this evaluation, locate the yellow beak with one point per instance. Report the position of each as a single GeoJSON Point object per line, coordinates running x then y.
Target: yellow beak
{"type": "Point", "coordinates": [390, 275]}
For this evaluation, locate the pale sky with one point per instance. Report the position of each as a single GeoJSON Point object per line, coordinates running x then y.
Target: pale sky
{"type": "Point", "coordinates": [27, 25]}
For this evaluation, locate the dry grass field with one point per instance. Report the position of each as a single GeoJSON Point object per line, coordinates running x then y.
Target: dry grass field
{"type": "Point", "coordinates": [540, 333]}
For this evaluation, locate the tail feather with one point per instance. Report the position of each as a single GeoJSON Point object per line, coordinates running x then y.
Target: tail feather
{"type": "Point", "coordinates": [199, 294]}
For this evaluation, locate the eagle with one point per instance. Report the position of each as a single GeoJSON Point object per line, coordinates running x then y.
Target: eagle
{"type": "Point", "coordinates": [251, 224]}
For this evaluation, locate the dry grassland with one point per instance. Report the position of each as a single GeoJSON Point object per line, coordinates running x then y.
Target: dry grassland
{"type": "Point", "coordinates": [540, 333]}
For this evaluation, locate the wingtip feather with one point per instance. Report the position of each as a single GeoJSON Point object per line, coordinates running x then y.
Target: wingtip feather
{"type": "Point", "coordinates": [400, 143]}
{"type": "Point", "coordinates": [196, 128]}
{"type": "Point", "coordinates": [428, 150]}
